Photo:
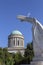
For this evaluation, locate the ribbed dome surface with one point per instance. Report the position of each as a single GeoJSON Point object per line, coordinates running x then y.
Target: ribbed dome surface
{"type": "Point", "coordinates": [16, 32]}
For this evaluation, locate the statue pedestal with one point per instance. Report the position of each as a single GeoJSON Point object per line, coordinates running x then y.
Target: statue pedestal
{"type": "Point", "coordinates": [37, 61]}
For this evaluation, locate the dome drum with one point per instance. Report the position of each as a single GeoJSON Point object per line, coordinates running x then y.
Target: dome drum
{"type": "Point", "coordinates": [16, 40]}
{"type": "Point", "coordinates": [15, 35]}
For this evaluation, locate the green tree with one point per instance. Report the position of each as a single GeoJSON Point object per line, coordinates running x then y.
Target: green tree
{"type": "Point", "coordinates": [1, 56]}
{"type": "Point", "coordinates": [8, 57]}
{"type": "Point", "coordinates": [29, 52]}
{"type": "Point", "coordinates": [18, 58]}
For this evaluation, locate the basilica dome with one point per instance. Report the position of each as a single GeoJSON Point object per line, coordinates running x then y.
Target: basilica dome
{"type": "Point", "coordinates": [16, 42]}
{"type": "Point", "coordinates": [16, 39]}
{"type": "Point", "coordinates": [16, 32]}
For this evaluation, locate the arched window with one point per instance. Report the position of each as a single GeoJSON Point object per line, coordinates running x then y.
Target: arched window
{"type": "Point", "coordinates": [14, 42]}
{"type": "Point", "coordinates": [9, 43]}
{"type": "Point", "coordinates": [18, 42]}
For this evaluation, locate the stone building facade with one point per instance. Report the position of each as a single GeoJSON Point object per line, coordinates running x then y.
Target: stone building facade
{"type": "Point", "coordinates": [16, 42]}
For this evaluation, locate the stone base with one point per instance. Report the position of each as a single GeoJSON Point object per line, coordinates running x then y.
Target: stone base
{"type": "Point", "coordinates": [36, 63]}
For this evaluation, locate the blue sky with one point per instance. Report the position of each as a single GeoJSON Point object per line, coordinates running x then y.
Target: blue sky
{"type": "Point", "coordinates": [9, 9]}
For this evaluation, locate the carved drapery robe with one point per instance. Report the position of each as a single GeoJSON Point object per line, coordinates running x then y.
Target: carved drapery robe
{"type": "Point", "coordinates": [37, 34]}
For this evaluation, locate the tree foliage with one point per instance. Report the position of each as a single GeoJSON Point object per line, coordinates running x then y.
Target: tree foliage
{"type": "Point", "coordinates": [7, 58]}
{"type": "Point", "coordinates": [29, 53]}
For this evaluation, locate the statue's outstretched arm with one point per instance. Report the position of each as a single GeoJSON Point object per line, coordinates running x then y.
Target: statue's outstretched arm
{"type": "Point", "coordinates": [25, 18]}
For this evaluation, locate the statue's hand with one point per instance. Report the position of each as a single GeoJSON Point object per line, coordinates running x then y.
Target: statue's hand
{"type": "Point", "coordinates": [22, 18]}
{"type": "Point", "coordinates": [27, 19]}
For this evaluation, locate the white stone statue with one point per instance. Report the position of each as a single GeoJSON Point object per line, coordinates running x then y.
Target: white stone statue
{"type": "Point", "coordinates": [37, 34]}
